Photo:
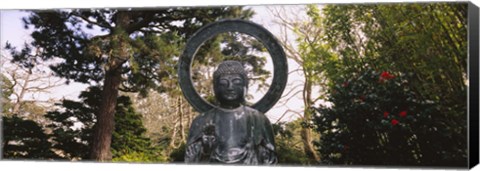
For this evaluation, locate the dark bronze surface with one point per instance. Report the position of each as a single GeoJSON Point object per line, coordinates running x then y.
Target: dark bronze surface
{"type": "Point", "coordinates": [231, 133]}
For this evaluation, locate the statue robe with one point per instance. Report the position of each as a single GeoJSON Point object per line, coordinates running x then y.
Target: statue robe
{"type": "Point", "coordinates": [239, 136]}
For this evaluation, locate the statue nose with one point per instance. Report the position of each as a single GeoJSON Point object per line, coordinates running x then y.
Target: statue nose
{"type": "Point", "coordinates": [230, 86]}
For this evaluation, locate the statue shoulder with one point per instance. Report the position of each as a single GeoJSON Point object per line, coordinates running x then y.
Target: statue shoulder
{"type": "Point", "coordinates": [251, 110]}
{"type": "Point", "coordinates": [198, 125]}
{"type": "Point", "coordinates": [259, 115]}
{"type": "Point", "coordinates": [203, 118]}
{"type": "Point", "coordinates": [208, 113]}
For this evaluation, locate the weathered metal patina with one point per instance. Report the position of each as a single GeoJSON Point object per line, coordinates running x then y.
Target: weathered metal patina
{"type": "Point", "coordinates": [232, 132]}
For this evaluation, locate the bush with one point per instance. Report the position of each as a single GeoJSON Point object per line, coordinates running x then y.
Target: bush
{"type": "Point", "coordinates": [378, 119]}
{"type": "Point", "coordinates": [141, 157]}
{"type": "Point", "coordinates": [25, 139]}
{"type": "Point", "coordinates": [178, 154]}
{"type": "Point", "coordinates": [288, 143]}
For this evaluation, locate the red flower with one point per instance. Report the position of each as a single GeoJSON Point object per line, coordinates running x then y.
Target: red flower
{"type": "Point", "coordinates": [345, 84]}
{"type": "Point", "coordinates": [403, 113]}
{"type": "Point", "coordinates": [394, 122]}
{"type": "Point", "coordinates": [385, 76]}
{"type": "Point", "coordinates": [385, 114]}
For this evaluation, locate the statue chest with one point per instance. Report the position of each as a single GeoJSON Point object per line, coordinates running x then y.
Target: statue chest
{"type": "Point", "coordinates": [233, 129]}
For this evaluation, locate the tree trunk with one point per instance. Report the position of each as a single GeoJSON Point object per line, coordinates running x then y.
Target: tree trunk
{"type": "Point", "coordinates": [173, 135]}
{"type": "Point", "coordinates": [104, 127]}
{"type": "Point", "coordinates": [306, 133]}
{"type": "Point", "coordinates": [18, 104]}
{"type": "Point", "coordinates": [181, 112]}
{"type": "Point", "coordinates": [102, 137]}
{"type": "Point", "coordinates": [308, 148]}
{"type": "Point", "coordinates": [189, 118]}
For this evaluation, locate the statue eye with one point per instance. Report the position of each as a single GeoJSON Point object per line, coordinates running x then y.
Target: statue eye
{"type": "Point", "coordinates": [223, 82]}
{"type": "Point", "coordinates": [237, 81]}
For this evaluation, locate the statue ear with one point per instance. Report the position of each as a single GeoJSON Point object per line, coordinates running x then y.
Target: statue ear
{"type": "Point", "coordinates": [245, 90]}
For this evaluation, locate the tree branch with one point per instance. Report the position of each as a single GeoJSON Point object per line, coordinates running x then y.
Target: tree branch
{"type": "Point", "coordinates": [103, 24]}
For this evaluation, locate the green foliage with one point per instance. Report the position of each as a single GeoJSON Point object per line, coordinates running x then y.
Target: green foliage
{"type": "Point", "coordinates": [25, 139]}
{"type": "Point", "coordinates": [5, 92]}
{"type": "Point", "coordinates": [318, 64]}
{"type": "Point", "coordinates": [72, 126]}
{"type": "Point", "coordinates": [73, 129]}
{"type": "Point", "coordinates": [129, 142]}
{"type": "Point", "coordinates": [429, 40]}
{"type": "Point", "coordinates": [378, 119]}
{"type": "Point", "coordinates": [289, 143]}
{"type": "Point", "coordinates": [314, 52]}
{"type": "Point", "coordinates": [178, 154]}
{"type": "Point", "coordinates": [140, 157]}
{"type": "Point", "coordinates": [154, 39]}
{"type": "Point", "coordinates": [425, 46]}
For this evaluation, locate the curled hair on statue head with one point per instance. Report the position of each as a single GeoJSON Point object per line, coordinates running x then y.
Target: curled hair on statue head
{"type": "Point", "coordinates": [230, 67]}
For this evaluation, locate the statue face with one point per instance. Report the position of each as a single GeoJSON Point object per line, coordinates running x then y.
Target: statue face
{"type": "Point", "coordinates": [230, 90]}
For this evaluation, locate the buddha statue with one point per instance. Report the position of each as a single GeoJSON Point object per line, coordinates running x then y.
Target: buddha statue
{"type": "Point", "coordinates": [232, 132]}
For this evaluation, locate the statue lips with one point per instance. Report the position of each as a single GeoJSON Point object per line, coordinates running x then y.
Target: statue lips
{"type": "Point", "coordinates": [231, 95]}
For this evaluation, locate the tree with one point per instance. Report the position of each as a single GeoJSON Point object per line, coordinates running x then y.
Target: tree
{"type": "Point", "coordinates": [426, 39]}
{"type": "Point", "coordinates": [24, 136]}
{"type": "Point", "coordinates": [129, 54]}
{"type": "Point", "coordinates": [424, 46]}
{"type": "Point", "coordinates": [378, 119]}
{"type": "Point", "coordinates": [6, 91]}
{"type": "Point", "coordinates": [24, 83]}
{"type": "Point", "coordinates": [73, 125]}
{"type": "Point", "coordinates": [25, 139]}
{"type": "Point", "coordinates": [316, 61]}
{"type": "Point", "coordinates": [129, 136]}
{"type": "Point", "coordinates": [289, 144]}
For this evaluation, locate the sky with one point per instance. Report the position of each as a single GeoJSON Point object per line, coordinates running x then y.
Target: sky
{"type": "Point", "coordinates": [12, 30]}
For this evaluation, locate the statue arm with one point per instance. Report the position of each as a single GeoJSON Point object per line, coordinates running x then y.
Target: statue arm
{"type": "Point", "coordinates": [193, 152]}
{"type": "Point", "coordinates": [201, 140]}
{"type": "Point", "coordinates": [194, 143]}
{"type": "Point", "coordinates": [270, 156]}
{"type": "Point", "coordinates": [267, 144]}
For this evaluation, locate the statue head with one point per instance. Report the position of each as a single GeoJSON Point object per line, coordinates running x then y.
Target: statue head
{"type": "Point", "coordinates": [230, 84]}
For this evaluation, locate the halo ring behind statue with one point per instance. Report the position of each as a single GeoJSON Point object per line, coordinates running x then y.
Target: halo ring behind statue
{"type": "Point", "coordinates": [280, 68]}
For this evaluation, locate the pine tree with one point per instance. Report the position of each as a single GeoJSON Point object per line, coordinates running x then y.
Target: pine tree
{"type": "Point", "coordinates": [141, 45]}
{"type": "Point", "coordinates": [25, 139]}
{"type": "Point", "coordinates": [74, 123]}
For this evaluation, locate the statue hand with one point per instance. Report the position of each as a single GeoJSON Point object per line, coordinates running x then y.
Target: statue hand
{"type": "Point", "coordinates": [208, 137]}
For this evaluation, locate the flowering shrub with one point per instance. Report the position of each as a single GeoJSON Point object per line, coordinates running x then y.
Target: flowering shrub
{"type": "Point", "coordinates": [378, 119]}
